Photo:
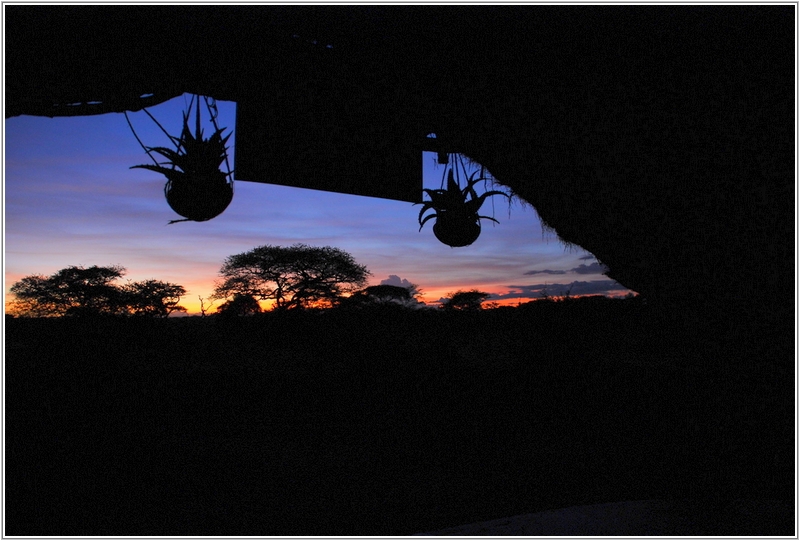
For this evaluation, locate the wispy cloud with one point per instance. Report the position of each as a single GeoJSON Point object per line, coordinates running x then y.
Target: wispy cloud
{"type": "Point", "coordinates": [593, 268]}
{"type": "Point", "coordinates": [576, 288]}
{"type": "Point", "coordinates": [546, 271]}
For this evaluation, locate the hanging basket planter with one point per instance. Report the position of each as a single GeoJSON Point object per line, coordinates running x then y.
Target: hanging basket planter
{"type": "Point", "coordinates": [201, 199]}
{"type": "Point", "coordinates": [455, 209]}
{"type": "Point", "coordinates": [455, 229]}
{"type": "Point", "coordinates": [196, 188]}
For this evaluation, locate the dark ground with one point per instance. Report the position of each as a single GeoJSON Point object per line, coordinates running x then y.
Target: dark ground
{"type": "Point", "coordinates": [385, 422]}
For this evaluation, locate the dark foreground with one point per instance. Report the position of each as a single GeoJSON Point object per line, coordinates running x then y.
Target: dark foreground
{"type": "Point", "coordinates": [386, 422]}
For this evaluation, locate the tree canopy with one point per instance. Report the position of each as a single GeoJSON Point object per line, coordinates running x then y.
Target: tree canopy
{"type": "Point", "coordinates": [465, 300]}
{"type": "Point", "coordinates": [86, 291]}
{"type": "Point", "coordinates": [240, 305]}
{"type": "Point", "coordinates": [153, 298]}
{"type": "Point", "coordinates": [298, 276]}
{"type": "Point", "coordinates": [72, 290]}
{"type": "Point", "coordinates": [385, 295]}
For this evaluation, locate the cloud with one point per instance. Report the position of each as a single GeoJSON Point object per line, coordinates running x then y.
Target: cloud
{"type": "Point", "coordinates": [537, 291]}
{"type": "Point", "coordinates": [394, 280]}
{"type": "Point", "coordinates": [586, 257]}
{"type": "Point", "coordinates": [546, 271]}
{"type": "Point", "coordinates": [593, 268]}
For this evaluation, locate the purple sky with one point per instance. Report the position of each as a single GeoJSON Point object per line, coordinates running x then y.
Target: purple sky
{"type": "Point", "coordinates": [72, 199]}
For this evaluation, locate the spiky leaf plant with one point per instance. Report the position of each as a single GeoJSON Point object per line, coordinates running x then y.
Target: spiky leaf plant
{"type": "Point", "coordinates": [456, 211]}
{"type": "Point", "coordinates": [196, 188]}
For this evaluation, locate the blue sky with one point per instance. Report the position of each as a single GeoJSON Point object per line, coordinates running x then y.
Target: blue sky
{"type": "Point", "coordinates": [72, 199]}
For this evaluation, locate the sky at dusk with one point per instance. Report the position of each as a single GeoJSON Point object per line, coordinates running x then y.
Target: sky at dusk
{"type": "Point", "coordinates": [72, 199]}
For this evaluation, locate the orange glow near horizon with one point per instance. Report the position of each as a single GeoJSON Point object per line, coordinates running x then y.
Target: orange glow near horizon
{"type": "Point", "coordinates": [203, 289]}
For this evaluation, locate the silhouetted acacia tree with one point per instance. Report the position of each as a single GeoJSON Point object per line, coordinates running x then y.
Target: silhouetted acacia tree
{"type": "Point", "coordinates": [465, 300]}
{"type": "Point", "coordinates": [70, 291]}
{"type": "Point", "coordinates": [388, 293]}
{"type": "Point", "coordinates": [33, 298]}
{"type": "Point", "coordinates": [297, 276]}
{"type": "Point", "coordinates": [240, 305]}
{"type": "Point", "coordinates": [78, 291]}
{"type": "Point", "coordinates": [153, 298]}
{"type": "Point", "coordinates": [383, 295]}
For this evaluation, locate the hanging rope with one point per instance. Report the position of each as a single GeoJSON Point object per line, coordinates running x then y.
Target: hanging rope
{"type": "Point", "coordinates": [444, 176]}
{"type": "Point", "coordinates": [213, 113]}
{"type": "Point", "coordinates": [157, 124]}
{"type": "Point", "coordinates": [137, 138]}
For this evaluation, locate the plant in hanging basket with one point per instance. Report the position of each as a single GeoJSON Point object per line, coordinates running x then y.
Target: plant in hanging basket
{"type": "Point", "coordinates": [196, 188]}
{"type": "Point", "coordinates": [456, 211]}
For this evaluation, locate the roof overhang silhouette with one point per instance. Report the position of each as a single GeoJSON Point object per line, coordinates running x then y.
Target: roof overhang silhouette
{"type": "Point", "coordinates": [325, 94]}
